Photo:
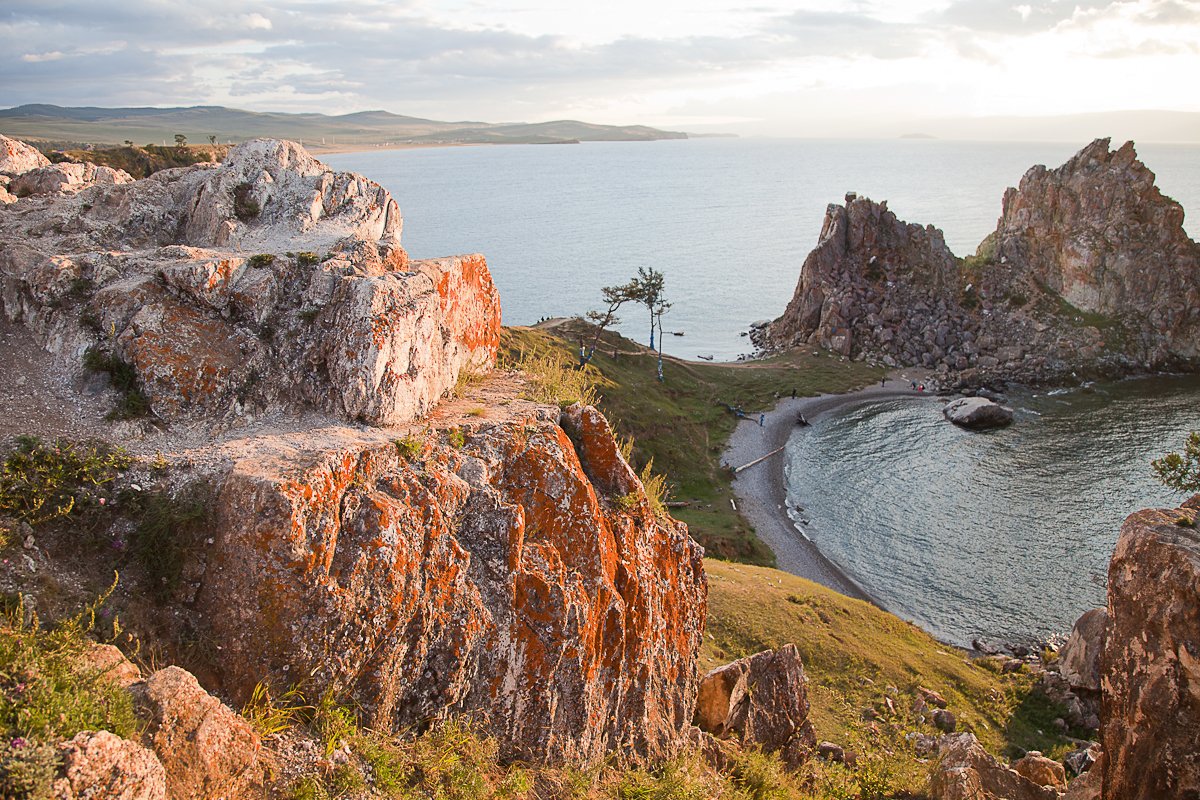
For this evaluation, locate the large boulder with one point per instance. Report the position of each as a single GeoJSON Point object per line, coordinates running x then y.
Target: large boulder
{"type": "Point", "coordinates": [206, 749]}
{"type": "Point", "coordinates": [762, 701]}
{"type": "Point", "coordinates": [965, 771]}
{"type": "Point", "coordinates": [1079, 658]}
{"type": "Point", "coordinates": [1041, 770]}
{"type": "Point", "coordinates": [1150, 662]}
{"type": "Point", "coordinates": [977, 413]}
{"type": "Point", "coordinates": [98, 765]}
{"type": "Point", "coordinates": [16, 157]}
{"type": "Point", "coordinates": [521, 578]}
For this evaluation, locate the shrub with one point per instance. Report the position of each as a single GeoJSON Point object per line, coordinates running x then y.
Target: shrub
{"type": "Point", "coordinates": [41, 482]}
{"type": "Point", "coordinates": [307, 259]}
{"type": "Point", "coordinates": [656, 490]}
{"type": "Point", "coordinates": [457, 438]}
{"type": "Point", "coordinates": [477, 411]}
{"type": "Point", "coordinates": [245, 207]}
{"type": "Point", "coordinates": [28, 768]}
{"type": "Point", "coordinates": [1181, 471]}
{"type": "Point", "coordinates": [410, 446]}
{"type": "Point", "coordinates": [262, 260]}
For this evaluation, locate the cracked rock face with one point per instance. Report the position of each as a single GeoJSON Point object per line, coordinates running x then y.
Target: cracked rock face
{"type": "Point", "coordinates": [521, 579]}
{"type": "Point", "coordinates": [1150, 663]}
{"type": "Point", "coordinates": [1089, 271]}
{"type": "Point", "coordinates": [266, 283]}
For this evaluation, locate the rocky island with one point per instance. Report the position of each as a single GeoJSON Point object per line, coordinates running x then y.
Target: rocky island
{"type": "Point", "coordinates": [327, 489]}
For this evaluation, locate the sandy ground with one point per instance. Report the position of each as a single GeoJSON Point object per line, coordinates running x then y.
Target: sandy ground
{"type": "Point", "coordinates": [762, 491]}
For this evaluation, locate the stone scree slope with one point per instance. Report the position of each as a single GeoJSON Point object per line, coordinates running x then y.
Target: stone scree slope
{"type": "Point", "coordinates": [1089, 271]}
{"type": "Point", "coordinates": [267, 282]}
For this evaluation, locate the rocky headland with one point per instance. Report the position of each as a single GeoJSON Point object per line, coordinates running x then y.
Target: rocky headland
{"type": "Point", "coordinates": [1089, 273]}
{"type": "Point", "coordinates": [328, 486]}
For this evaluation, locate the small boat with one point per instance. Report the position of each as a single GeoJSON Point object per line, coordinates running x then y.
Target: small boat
{"type": "Point", "coordinates": [677, 333]}
{"type": "Point", "coordinates": [705, 358]}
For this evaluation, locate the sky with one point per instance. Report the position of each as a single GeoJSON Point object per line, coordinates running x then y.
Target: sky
{"type": "Point", "coordinates": [774, 68]}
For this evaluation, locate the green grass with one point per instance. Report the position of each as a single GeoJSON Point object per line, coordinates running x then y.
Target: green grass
{"type": "Point", "coordinates": [683, 425]}
{"type": "Point", "coordinates": [140, 162]}
{"type": "Point", "coordinates": [167, 529]}
{"type": "Point", "coordinates": [852, 652]}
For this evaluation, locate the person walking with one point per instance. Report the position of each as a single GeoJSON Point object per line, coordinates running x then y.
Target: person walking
{"type": "Point", "coordinates": [762, 420]}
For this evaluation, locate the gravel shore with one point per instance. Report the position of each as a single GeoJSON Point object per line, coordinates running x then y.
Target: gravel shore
{"type": "Point", "coordinates": [761, 490]}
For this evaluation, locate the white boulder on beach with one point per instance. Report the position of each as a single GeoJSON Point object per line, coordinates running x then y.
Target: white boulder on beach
{"type": "Point", "coordinates": [977, 413]}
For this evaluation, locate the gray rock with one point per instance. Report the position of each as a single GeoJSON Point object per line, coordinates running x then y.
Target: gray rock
{"type": "Point", "coordinates": [977, 413]}
{"type": "Point", "coordinates": [1079, 658]}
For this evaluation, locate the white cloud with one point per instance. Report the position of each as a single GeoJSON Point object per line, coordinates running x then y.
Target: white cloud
{"type": "Point", "coordinates": [795, 64]}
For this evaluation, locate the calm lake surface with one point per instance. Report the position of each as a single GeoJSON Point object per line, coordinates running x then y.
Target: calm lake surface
{"type": "Point", "coordinates": [727, 221]}
{"type": "Point", "coordinates": [1004, 535]}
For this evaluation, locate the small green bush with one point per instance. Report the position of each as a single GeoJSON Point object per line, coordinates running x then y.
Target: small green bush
{"type": "Point", "coordinates": [41, 482]}
{"type": "Point", "coordinates": [271, 715]}
{"type": "Point", "coordinates": [457, 438]}
{"type": "Point", "coordinates": [262, 260]}
{"type": "Point", "coordinates": [307, 259]}
{"type": "Point", "coordinates": [1181, 471]}
{"type": "Point", "coordinates": [410, 446]}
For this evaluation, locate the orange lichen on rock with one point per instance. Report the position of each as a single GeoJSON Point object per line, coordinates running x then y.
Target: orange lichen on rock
{"type": "Point", "coordinates": [496, 580]}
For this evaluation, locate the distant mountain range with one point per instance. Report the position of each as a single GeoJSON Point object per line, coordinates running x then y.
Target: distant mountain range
{"type": "Point", "coordinates": [317, 131]}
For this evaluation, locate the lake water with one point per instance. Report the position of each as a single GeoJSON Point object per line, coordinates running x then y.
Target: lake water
{"type": "Point", "coordinates": [727, 221]}
{"type": "Point", "coordinates": [1006, 534]}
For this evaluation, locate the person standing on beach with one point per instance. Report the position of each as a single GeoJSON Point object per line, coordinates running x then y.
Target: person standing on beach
{"type": "Point", "coordinates": [762, 420]}
{"type": "Point", "coordinates": [793, 392]}
{"type": "Point", "coordinates": [882, 382]}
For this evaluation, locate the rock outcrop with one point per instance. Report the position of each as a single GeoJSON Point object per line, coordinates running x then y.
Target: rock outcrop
{"type": "Point", "coordinates": [500, 579]}
{"type": "Point", "coordinates": [16, 157]}
{"type": "Point", "coordinates": [206, 749]}
{"type": "Point", "coordinates": [1079, 658]}
{"type": "Point", "coordinates": [1089, 272]}
{"type": "Point", "coordinates": [760, 701]}
{"type": "Point", "coordinates": [266, 283]}
{"type": "Point", "coordinates": [103, 765]}
{"type": "Point", "coordinates": [965, 771]}
{"type": "Point", "coordinates": [977, 413]}
{"type": "Point", "coordinates": [66, 178]}
{"type": "Point", "coordinates": [1150, 663]}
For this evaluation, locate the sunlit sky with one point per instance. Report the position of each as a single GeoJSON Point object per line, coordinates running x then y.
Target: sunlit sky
{"type": "Point", "coordinates": [815, 68]}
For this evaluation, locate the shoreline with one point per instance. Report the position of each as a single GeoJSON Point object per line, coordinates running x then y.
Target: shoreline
{"type": "Point", "coordinates": [761, 490]}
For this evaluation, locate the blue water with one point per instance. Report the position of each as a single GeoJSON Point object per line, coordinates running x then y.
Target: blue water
{"type": "Point", "coordinates": [1006, 534]}
{"type": "Point", "coordinates": [728, 221]}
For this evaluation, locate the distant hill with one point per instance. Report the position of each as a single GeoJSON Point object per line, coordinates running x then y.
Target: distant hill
{"type": "Point", "coordinates": [317, 131]}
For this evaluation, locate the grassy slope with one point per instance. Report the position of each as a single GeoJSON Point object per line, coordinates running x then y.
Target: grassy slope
{"type": "Point", "coordinates": [141, 162]}
{"type": "Point", "coordinates": [683, 423]}
{"type": "Point", "coordinates": [853, 652]}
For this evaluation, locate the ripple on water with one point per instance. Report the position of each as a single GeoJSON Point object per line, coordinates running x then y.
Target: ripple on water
{"type": "Point", "coordinates": [1005, 534]}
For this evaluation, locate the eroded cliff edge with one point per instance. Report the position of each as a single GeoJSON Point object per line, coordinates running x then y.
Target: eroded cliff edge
{"type": "Point", "coordinates": [1088, 273]}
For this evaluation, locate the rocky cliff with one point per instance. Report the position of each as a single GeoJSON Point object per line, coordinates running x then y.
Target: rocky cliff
{"type": "Point", "coordinates": [370, 537]}
{"type": "Point", "coordinates": [1150, 661]}
{"type": "Point", "coordinates": [1088, 272]}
